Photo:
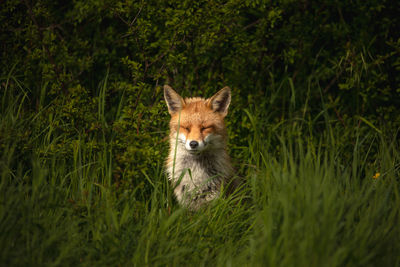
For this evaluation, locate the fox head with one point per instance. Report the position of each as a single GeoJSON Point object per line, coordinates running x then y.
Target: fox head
{"type": "Point", "coordinates": [198, 122]}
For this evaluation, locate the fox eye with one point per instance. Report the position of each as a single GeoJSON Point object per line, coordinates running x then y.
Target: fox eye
{"type": "Point", "coordinates": [186, 128]}
{"type": "Point", "coordinates": [206, 127]}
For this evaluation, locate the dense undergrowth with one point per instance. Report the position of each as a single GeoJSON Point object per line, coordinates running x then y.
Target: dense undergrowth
{"type": "Point", "coordinates": [313, 132]}
{"type": "Point", "coordinates": [306, 202]}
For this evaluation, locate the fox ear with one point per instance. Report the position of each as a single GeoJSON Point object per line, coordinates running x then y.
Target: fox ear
{"type": "Point", "coordinates": [174, 101]}
{"type": "Point", "coordinates": [221, 100]}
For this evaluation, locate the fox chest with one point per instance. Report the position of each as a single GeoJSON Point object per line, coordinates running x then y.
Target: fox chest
{"type": "Point", "coordinates": [196, 181]}
{"type": "Point", "coordinates": [194, 171]}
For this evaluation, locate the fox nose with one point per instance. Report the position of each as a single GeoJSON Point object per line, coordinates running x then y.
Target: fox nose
{"type": "Point", "coordinates": [193, 144]}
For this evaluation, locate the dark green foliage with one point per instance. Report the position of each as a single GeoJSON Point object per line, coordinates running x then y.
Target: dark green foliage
{"type": "Point", "coordinates": [83, 127]}
{"type": "Point", "coordinates": [98, 66]}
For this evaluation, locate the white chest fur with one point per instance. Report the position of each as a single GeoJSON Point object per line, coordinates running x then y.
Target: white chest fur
{"type": "Point", "coordinates": [197, 178]}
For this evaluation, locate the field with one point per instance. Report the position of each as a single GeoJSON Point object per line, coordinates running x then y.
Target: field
{"type": "Point", "coordinates": [307, 205]}
{"type": "Point", "coordinates": [313, 132]}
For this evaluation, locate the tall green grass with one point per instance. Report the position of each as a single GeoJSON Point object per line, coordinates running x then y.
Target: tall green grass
{"type": "Point", "coordinates": [305, 203]}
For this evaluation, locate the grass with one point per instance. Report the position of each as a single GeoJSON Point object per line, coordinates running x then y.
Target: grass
{"type": "Point", "coordinates": [304, 204]}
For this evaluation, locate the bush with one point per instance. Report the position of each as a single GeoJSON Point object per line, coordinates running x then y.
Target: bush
{"type": "Point", "coordinates": [92, 72]}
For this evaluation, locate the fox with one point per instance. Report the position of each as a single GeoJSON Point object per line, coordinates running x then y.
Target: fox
{"type": "Point", "coordinates": [198, 164]}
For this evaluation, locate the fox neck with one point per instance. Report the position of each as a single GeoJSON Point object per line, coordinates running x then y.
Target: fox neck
{"type": "Point", "coordinates": [197, 178]}
{"type": "Point", "coordinates": [212, 163]}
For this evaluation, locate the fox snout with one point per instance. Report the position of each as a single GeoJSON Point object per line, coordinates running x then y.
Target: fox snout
{"type": "Point", "coordinates": [192, 145]}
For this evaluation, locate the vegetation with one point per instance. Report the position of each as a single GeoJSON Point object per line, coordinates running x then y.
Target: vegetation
{"type": "Point", "coordinates": [313, 125]}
